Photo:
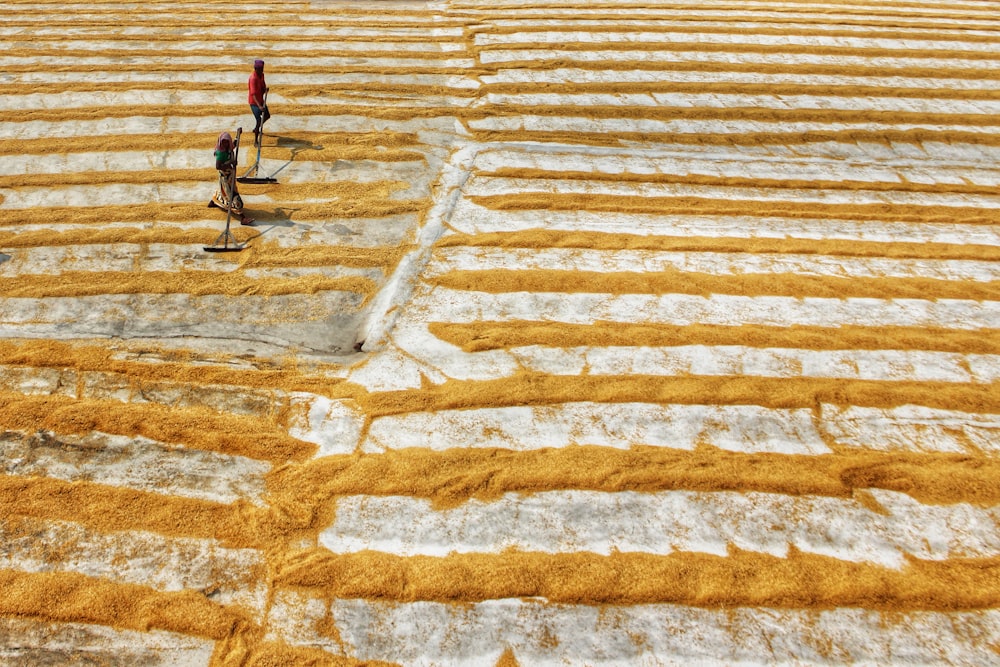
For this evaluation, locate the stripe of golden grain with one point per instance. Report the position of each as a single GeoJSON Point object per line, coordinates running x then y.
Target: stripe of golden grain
{"type": "Point", "coordinates": [737, 181]}
{"type": "Point", "coordinates": [344, 193]}
{"type": "Point", "coordinates": [139, 236]}
{"type": "Point", "coordinates": [394, 112]}
{"type": "Point", "coordinates": [200, 428]}
{"type": "Point", "coordinates": [526, 388]}
{"type": "Point", "coordinates": [69, 597]}
{"type": "Point", "coordinates": [170, 365]}
{"type": "Point", "coordinates": [138, 176]}
{"type": "Point", "coordinates": [544, 238]}
{"type": "Point", "coordinates": [194, 283]}
{"type": "Point", "coordinates": [869, 23]}
{"type": "Point", "coordinates": [817, 6]}
{"type": "Point", "coordinates": [209, 175]}
{"type": "Point", "coordinates": [267, 255]}
{"type": "Point", "coordinates": [358, 200]}
{"type": "Point", "coordinates": [740, 579]}
{"type": "Point", "coordinates": [744, 114]}
{"type": "Point", "coordinates": [320, 146]}
{"type": "Point", "coordinates": [499, 281]}
{"type": "Point", "coordinates": [620, 139]}
{"type": "Point", "coordinates": [883, 212]}
{"type": "Point", "coordinates": [66, 597]}
{"type": "Point", "coordinates": [482, 336]}
{"type": "Point", "coordinates": [112, 509]}
{"type": "Point", "coordinates": [454, 476]}
{"type": "Point", "coordinates": [257, 255]}
{"type": "Point", "coordinates": [803, 70]}
{"type": "Point", "coordinates": [258, 19]}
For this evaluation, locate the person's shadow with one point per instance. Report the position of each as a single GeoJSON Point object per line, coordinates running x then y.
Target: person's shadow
{"type": "Point", "coordinates": [268, 220]}
{"type": "Point", "coordinates": [296, 146]}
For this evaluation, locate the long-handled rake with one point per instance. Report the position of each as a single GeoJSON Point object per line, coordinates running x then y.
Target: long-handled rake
{"type": "Point", "coordinates": [255, 167]}
{"type": "Point", "coordinates": [228, 188]}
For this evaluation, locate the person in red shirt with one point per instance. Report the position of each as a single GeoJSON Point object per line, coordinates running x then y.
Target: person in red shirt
{"type": "Point", "coordinates": [257, 90]}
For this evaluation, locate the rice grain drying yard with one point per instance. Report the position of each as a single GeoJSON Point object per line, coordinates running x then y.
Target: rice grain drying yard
{"type": "Point", "coordinates": [618, 332]}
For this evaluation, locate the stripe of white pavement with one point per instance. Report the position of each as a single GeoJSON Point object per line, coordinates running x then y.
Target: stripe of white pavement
{"type": "Point", "coordinates": [128, 161]}
{"type": "Point", "coordinates": [484, 186]}
{"type": "Point", "coordinates": [879, 365]}
{"type": "Point", "coordinates": [334, 426]}
{"type": "Point", "coordinates": [436, 357]}
{"type": "Point", "coordinates": [735, 57]}
{"type": "Point", "coordinates": [645, 13]}
{"type": "Point", "coordinates": [259, 322]}
{"type": "Point", "coordinates": [211, 220]}
{"type": "Point", "coordinates": [560, 37]}
{"type": "Point", "coordinates": [612, 126]}
{"type": "Point", "coordinates": [132, 194]}
{"type": "Point", "coordinates": [104, 195]}
{"type": "Point", "coordinates": [957, 155]}
{"type": "Point", "coordinates": [638, 101]}
{"type": "Point", "coordinates": [723, 163]}
{"type": "Point", "coordinates": [715, 263]}
{"type": "Point", "coordinates": [131, 257]}
{"type": "Point", "coordinates": [911, 428]}
{"type": "Point", "coordinates": [737, 428]}
{"type": "Point", "coordinates": [705, 361]}
{"type": "Point", "coordinates": [28, 639]}
{"type": "Point", "coordinates": [667, 522]}
{"type": "Point", "coordinates": [381, 99]}
{"type": "Point", "coordinates": [134, 462]}
{"type": "Point", "coordinates": [575, 75]}
{"type": "Point", "coordinates": [168, 125]}
{"type": "Point", "coordinates": [167, 564]}
{"type": "Point", "coordinates": [331, 32]}
{"type": "Point", "coordinates": [155, 98]}
{"type": "Point", "coordinates": [286, 36]}
{"type": "Point", "coordinates": [462, 306]}
{"type": "Point", "coordinates": [549, 635]}
{"type": "Point", "coordinates": [469, 218]}
{"type": "Point", "coordinates": [730, 360]}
